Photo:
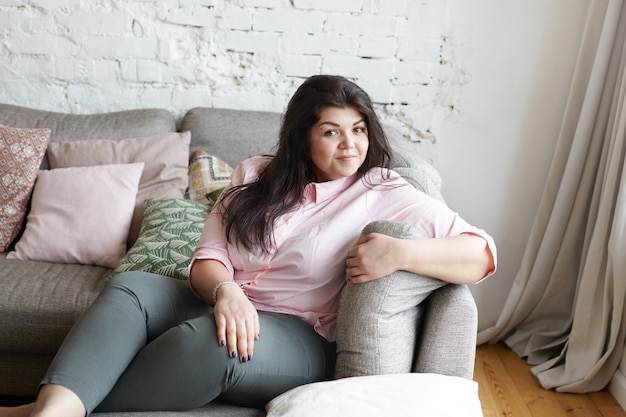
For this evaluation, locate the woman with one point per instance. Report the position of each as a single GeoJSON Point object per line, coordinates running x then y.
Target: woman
{"type": "Point", "coordinates": [260, 317]}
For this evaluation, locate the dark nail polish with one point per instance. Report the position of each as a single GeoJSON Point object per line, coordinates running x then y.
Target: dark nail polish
{"type": "Point", "coordinates": [233, 355]}
{"type": "Point", "coordinates": [222, 343]}
{"type": "Point", "coordinates": [249, 357]}
{"type": "Point", "coordinates": [244, 359]}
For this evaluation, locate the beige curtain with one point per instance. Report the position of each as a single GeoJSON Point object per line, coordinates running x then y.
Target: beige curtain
{"type": "Point", "coordinates": [565, 311]}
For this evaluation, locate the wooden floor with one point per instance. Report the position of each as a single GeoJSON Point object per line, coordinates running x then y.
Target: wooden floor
{"type": "Point", "coordinates": [507, 388]}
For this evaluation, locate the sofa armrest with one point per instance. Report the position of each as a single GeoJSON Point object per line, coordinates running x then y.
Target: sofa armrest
{"type": "Point", "coordinates": [447, 338]}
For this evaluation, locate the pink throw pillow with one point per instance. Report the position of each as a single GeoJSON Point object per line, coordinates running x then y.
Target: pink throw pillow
{"type": "Point", "coordinates": [21, 152]}
{"type": "Point", "coordinates": [166, 158]}
{"type": "Point", "coordinates": [80, 215]}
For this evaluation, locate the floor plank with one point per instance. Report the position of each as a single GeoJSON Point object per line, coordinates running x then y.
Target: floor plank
{"type": "Point", "coordinates": [508, 388]}
{"type": "Point", "coordinates": [497, 388]}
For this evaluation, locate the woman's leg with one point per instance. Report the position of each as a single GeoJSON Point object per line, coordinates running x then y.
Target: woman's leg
{"type": "Point", "coordinates": [377, 320]}
{"type": "Point", "coordinates": [186, 368]}
{"type": "Point", "coordinates": [133, 309]}
{"type": "Point", "coordinates": [53, 400]}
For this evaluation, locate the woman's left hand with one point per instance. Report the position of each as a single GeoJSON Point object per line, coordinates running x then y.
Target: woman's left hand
{"type": "Point", "coordinates": [374, 256]}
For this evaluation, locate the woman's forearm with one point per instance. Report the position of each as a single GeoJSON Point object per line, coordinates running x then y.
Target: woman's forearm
{"type": "Point", "coordinates": [205, 275]}
{"type": "Point", "coordinates": [463, 259]}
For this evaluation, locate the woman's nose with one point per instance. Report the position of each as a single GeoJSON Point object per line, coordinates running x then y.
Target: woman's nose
{"type": "Point", "coordinates": [347, 141]}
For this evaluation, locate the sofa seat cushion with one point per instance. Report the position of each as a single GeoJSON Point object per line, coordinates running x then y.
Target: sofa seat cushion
{"type": "Point", "coordinates": [41, 301]}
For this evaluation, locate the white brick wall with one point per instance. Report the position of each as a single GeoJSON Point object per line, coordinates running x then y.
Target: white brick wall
{"type": "Point", "coordinates": [101, 55]}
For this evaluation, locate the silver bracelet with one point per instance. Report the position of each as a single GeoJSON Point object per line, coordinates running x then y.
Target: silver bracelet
{"type": "Point", "coordinates": [217, 287]}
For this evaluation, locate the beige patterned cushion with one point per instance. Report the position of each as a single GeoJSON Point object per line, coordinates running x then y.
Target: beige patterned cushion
{"type": "Point", "coordinates": [207, 175]}
{"type": "Point", "coordinates": [21, 151]}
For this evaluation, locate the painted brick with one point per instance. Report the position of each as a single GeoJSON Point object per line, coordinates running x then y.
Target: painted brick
{"type": "Point", "coordinates": [42, 44]}
{"type": "Point", "coordinates": [377, 47]}
{"type": "Point", "coordinates": [31, 67]}
{"type": "Point", "coordinates": [196, 16]}
{"type": "Point", "coordinates": [270, 4]}
{"type": "Point", "coordinates": [78, 70]}
{"type": "Point", "coordinates": [362, 25]}
{"type": "Point", "coordinates": [96, 23]}
{"type": "Point", "coordinates": [119, 47]}
{"type": "Point", "coordinates": [48, 4]}
{"type": "Point", "coordinates": [38, 94]}
{"type": "Point", "coordinates": [248, 54]}
{"type": "Point", "coordinates": [236, 99]}
{"type": "Point", "coordinates": [106, 70]}
{"type": "Point", "coordinates": [192, 97]}
{"type": "Point", "coordinates": [208, 3]}
{"type": "Point", "coordinates": [235, 19]}
{"type": "Point", "coordinates": [329, 5]}
{"type": "Point", "coordinates": [302, 65]}
{"type": "Point", "coordinates": [253, 42]}
{"type": "Point", "coordinates": [321, 44]}
{"type": "Point", "coordinates": [79, 95]}
{"type": "Point", "coordinates": [128, 71]}
{"type": "Point", "coordinates": [148, 96]}
{"type": "Point", "coordinates": [414, 72]}
{"type": "Point", "coordinates": [360, 68]}
{"type": "Point", "coordinates": [423, 49]}
{"type": "Point", "coordinates": [288, 21]}
{"type": "Point", "coordinates": [413, 94]}
{"type": "Point", "coordinates": [149, 71]}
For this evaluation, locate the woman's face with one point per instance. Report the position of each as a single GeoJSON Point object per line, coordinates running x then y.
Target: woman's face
{"type": "Point", "coordinates": [339, 143]}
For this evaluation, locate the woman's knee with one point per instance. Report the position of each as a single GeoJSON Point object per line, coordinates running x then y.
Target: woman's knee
{"type": "Point", "coordinates": [395, 229]}
{"type": "Point", "coordinates": [135, 280]}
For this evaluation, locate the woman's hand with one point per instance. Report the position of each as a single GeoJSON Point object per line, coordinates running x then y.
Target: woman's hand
{"type": "Point", "coordinates": [463, 259]}
{"type": "Point", "coordinates": [237, 322]}
{"type": "Point", "coordinates": [374, 256]}
{"type": "Point", "coordinates": [236, 318]}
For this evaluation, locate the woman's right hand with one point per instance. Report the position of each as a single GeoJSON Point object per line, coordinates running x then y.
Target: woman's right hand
{"type": "Point", "coordinates": [236, 318]}
{"type": "Point", "coordinates": [237, 322]}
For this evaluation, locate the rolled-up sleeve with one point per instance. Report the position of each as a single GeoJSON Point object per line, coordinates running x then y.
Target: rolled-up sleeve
{"type": "Point", "coordinates": [213, 243]}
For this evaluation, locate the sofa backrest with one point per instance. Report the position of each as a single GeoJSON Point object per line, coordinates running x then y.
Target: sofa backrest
{"type": "Point", "coordinates": [232, 135]}
{"type": "Point", "coordinates": [68, 127]}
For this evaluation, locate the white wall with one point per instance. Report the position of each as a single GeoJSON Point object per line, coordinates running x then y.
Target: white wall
{"type": "Point", "coordinates": [480, 84]}
{"type": "Point", "coordinates": [517, 59]}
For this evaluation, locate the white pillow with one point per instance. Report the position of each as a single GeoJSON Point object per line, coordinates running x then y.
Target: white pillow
{"type": "Point", "coordinates": [80, 215]}
{"type": "Point", "coordinates": [398, 395]}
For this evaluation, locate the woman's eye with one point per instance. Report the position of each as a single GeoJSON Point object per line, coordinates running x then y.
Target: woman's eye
{"type": "Point", "coordinates": [359, 129]}
{"type": "Point", "coordinates": [330, 133]}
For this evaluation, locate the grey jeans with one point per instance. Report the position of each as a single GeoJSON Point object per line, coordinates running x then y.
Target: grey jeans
{"type": "Point", "coordinates": [147, 343]}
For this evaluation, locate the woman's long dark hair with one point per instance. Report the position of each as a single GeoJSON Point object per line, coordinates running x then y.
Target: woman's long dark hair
{"type": "Point", "coordinates": [251, 210]}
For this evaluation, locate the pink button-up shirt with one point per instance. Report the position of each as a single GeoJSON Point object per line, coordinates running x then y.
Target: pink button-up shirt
{"type": "Point", "coordinates": [305, 271]}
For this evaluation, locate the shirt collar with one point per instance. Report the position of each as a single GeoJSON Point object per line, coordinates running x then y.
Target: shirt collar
{"type": "Point", "coordinates": [318, 192]}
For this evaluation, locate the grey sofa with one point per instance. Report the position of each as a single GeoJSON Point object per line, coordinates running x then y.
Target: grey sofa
{"type": "Point", "coordinates": [40, 301]}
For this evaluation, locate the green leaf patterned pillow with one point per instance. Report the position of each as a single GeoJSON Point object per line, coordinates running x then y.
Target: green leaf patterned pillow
{"type": "Point", "coordinates": [169, 234]}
